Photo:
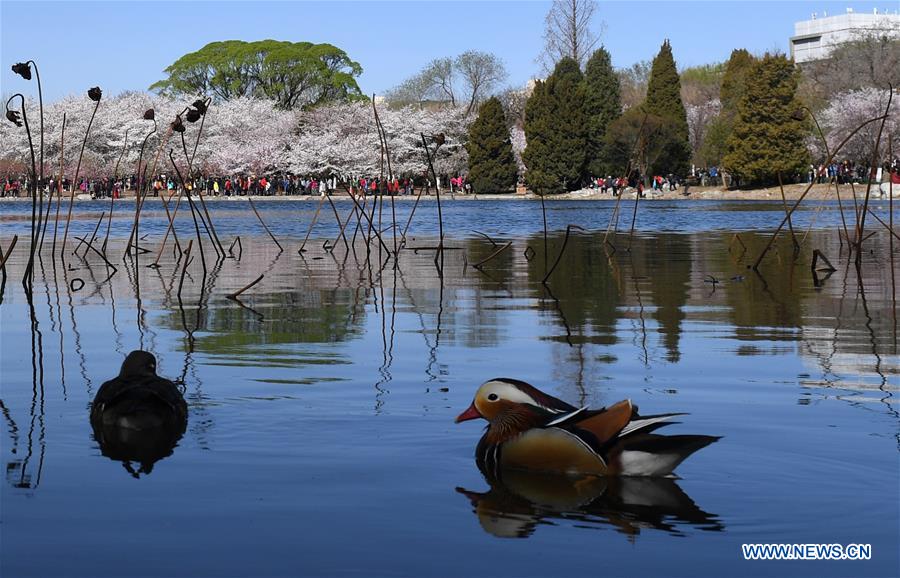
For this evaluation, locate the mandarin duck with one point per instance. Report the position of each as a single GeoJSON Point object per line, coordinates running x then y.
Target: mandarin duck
{"type": "Point", "coordinates": [138, 416]}
{"type": "Point", "coordinates": [531, 430]}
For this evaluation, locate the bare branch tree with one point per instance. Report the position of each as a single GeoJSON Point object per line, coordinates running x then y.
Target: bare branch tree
{"type": "Point", "coordinates": [568, 32]}
{"type": "Point", "coordinates": [481, 71]}
{"type": "Point", "coordinates": [633, 82]}
{"type": "Point", "coordinates": [439, 74]}
{"type": "Point", "coordinates": [434, 82]}
{"type": "Point", "coordinates": [513, 100]}
{"type": "Point", "coordinates": [413, 90]}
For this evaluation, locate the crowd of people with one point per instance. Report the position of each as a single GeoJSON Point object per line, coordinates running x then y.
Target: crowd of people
{"type": "Point", "coordinates": [617, 185]}
{"type": "Point", "coordinates": [289, 184]}
{"type": "Point", "coordinates": [235, 185]}
{"type": "Point", "coordinates": [845, 173]}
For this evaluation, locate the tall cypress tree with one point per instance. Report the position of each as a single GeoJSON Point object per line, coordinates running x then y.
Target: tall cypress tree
{"type": "Point", "coordinates": [768, 138]}
{"type": "Point", "coordinates": [733, 87]}
{"type": "Point", "coordinates": [492, 166]}
{"type": "Point", "coordinates": [734, 79]}
{"type": "Point", "coordinates": [664, 100]}
{"type": "Point", "coordinates": [556, 132]}
{"type": "Point", "coordinates": [537, 127]}
{"type": "Point", "coordinates": [602, 105]}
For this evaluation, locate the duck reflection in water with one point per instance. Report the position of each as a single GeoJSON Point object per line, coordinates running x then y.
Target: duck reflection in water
{"type": "Point", "coordinates": [518, 501]}
{"type": "Point", "coordinates": [138, 416]}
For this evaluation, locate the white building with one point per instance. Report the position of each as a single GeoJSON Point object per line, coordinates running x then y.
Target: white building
{"type": "Point", "coordinates": [814, 39]}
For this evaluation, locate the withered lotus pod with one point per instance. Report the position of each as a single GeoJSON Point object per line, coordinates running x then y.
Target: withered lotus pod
{"type": "Point", "coordinates": [13, 117]}
{"type": "Point", "coordinates": [177, 125]}
{"type": "Point", "coordinates": [149, 114]}
{"type": "Point", "coordinates": [439, 139]}
{"type": "Point", "coordinates": [200, 105]}
{"type": "Point", "coordinates": [193, 115]}
{"type": "Point", "coordinates": [23, 69]}
{"type": "Point", "coordinates": [95, 94]}
{"type": "Point", "coordinates": [798, 114]}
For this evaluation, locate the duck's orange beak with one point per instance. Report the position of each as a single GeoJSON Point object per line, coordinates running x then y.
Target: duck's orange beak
{"type": "Point", "coordinates": [471, 413]}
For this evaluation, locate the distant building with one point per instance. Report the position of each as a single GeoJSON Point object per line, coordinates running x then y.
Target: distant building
{"type": "Point", "coordinates": [529, 86]}
{"type": "Point", "coordinates": [814, 39]}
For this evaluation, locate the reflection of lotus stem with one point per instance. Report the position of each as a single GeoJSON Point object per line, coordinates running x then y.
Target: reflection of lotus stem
{"type": "Point", "coordinates": [59, 185]}
{"type": "Point", "coordinates": [62, 251]}
{"type": "Point", "coordinates": [768, 246]}
{"type": "Point", "coordinates": [112, 195]}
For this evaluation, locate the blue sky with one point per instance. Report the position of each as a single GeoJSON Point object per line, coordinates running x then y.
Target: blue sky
{"type": "Point", "coordinates": [126, 45]}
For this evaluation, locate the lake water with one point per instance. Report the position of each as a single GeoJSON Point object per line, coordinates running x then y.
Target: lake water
{"type": "Point", "coordinates": [320, 436]}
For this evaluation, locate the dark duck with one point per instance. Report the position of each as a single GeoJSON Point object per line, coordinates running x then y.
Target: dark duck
{"type": "Point", "coordinates": [138, 415]}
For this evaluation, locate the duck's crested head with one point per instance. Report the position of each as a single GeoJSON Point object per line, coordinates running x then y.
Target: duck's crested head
{"type": "Point", "coordinates": [497, 394]}
{"type": "Point", "coordinates": [138, 363]}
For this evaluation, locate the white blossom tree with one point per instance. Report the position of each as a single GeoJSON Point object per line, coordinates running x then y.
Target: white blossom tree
{"type": "Point", "coordinates": [243, 135]}
{"type": "Point", "coordinates": [846, 111]}
{"type": "Point", "coordinates": [699, 117]}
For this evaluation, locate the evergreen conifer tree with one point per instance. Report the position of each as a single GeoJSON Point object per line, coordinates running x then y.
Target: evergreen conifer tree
{"type": "Point", "coordinates": [664, 100]}
{"type": "Point", "coordinates": [733, 86]}
{"type": "Point", "coordinates": [492, 166]}
{"type": "Point", "coordinates": [555, 131]}
{"type": "Point", "coordinates": [734, 79]}
{"type": "Point", "coordinates": [603, 105]}
{"type": "Point", "coordinates": [768, 138]}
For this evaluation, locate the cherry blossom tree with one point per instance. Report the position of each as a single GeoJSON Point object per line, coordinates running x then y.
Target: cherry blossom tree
{"type": "Point", "coordinates": [343, 139]}
{"type": "Point", "coordinates": [245, 135]}
{"type": "Point", "coordinates": [846, 111]}
{"type": "Point", "coordinates": [699, 117]}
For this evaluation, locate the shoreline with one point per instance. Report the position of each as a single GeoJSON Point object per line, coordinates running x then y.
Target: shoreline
{"type": "Point", "coordinates": [792, 192]}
